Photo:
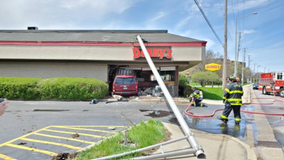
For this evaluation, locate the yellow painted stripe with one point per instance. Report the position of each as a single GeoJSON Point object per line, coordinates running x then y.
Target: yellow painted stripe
{"type": "Point", "coordinates": [59, 137]}
{"type": "Point", "coordinates": [13, 140]}
{"type": "Point", "coordinates": [6, 157]}
{"type": "Point", "coordinates": [32, 149]}
{"type": "Point", "coordinates": [83, 134]}
{"type": "Point", "coordinates": [84, 129]}
{"type": "Point", "coordinates": [52, 143]}
{"type": "Point", "coordinates": [92, 126]}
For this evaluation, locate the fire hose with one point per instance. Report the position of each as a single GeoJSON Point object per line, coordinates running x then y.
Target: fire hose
{"type": "Point", "coordinates": [244, 111]}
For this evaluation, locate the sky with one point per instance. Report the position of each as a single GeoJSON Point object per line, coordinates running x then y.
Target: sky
{"type": "Point", "coordinates": [262, 34]}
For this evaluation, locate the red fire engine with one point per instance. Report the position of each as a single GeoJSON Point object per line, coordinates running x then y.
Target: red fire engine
{"type": "Point", "coordinates": [272, 83]}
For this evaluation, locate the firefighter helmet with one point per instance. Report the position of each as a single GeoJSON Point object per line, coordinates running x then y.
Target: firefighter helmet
{"type": "Point", "coordinates": [233, 78]}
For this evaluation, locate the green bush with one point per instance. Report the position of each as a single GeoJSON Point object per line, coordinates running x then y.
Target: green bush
{"type": "Point", "coordinates": [72, 88]}
{"type": "Point", "coordinates": [19, 88]}
{"type": "Point", "coordinates": [53, 88]}
{"type": "Point", "coordinates": [187, 91]}
{"type": "Point", "coordinates": [182, 80]}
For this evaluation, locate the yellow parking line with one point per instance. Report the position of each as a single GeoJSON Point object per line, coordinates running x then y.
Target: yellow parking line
{"type": "Point", "coordinates": [59, 137]}
{"type": "Point", "coordinates": [53, 143]}
{"type": "Point", "coordinates": [95, 126]}
{"type": "Point", "coordinates": [32, 149]}
{"type": "Point", "coordinates": [6, 157]}
{"type": "Point", "coordinates": [84, 129]}
{"type": "Point", "coordinates": [84, 134]}
{"type": "Point", "coordinates": [13, 140]}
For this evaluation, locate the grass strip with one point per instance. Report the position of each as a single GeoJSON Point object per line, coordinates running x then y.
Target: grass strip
{"type": "Point", "coordinates": [139, 136]}
{"type": "Point", "coordinates": [212, 93]}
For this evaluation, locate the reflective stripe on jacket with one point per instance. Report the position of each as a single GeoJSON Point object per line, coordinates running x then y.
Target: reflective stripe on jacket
{"type": "Point", "coordinates": [195, 94]}
{"type": "Point", "coordinates": [233, 94]}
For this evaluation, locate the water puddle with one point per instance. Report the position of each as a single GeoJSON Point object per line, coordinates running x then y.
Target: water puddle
{"type": "Point", "coordinates": [50, 110]}
{"type": "Point", "coordinates": [214, 125]}
{"type": "Point", "coordinates": [156, 113]}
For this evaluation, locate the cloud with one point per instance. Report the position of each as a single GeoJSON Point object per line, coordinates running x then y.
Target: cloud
{"type": "Point", "coordinates": [61, 14]}
{"type": "Point", "coordinates": [247, 5]}
{"type": "Point", "coordinates": [183, 22]}
{"type": "Point", "coordinates": [249, 31]}
{"type": "Point", "coordinates": [210, 43]}
{"type": "Point", "coordinates": [157, 16]}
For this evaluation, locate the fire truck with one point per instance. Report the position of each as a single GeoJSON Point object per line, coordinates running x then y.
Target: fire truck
{"type": "Point", "coordinates": [272, 83]}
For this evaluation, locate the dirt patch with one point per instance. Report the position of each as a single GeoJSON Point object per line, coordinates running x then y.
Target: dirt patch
{"type": "Point", "coordinates": [75, 135]}
{"type": "Point", "coordinates": [156, 113]}
{"type": "Point", "coordinates": [64, 156]}
{"type": "Point", "coordinates": [50, 110]}
{"type": "Point", "coordinates": [22, 143]}
{"type": "Point", "coordinates": [174, 120]}
{"type": "Point", "coordinates": [168, 137]}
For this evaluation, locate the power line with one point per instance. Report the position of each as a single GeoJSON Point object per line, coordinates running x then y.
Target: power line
{"type": "Point", "coordinates": [199, 7]}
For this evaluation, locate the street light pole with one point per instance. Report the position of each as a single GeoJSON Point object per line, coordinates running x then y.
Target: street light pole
{"type": "Point", "coordinates": [257, 72]}
{"type": "Point", "coordinates": [224, 75]}
{"type": "Point", "coordinates": [250, 70]}
{"type": "Point", "coordinates": [236, 26]}
{"type": "Point", "coordinates": [244, 60]}
{"type": "Point", "coordinates": [254, 73]}
{"type": "Point", "coordinates": [236, 50]}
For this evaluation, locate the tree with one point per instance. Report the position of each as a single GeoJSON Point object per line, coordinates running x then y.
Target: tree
{"type": "Point", "coordinates": [209, 57]}
{"type": "Point", "coordinates": [204, 77]}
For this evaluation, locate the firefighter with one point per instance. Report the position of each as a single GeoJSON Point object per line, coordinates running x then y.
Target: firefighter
{"type": "Point", "coordinates": [233, 101]}
{"type": "Point", "coordinates": [196, 97]}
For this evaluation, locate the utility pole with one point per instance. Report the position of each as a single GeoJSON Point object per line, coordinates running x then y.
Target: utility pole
{"type": "Point", "coordinates": [224, 78]}
{"type": "Point", "coordinates": [248, 61]}
{"type": "Point", "coordinates": [238, 53]}
{"type": "Point", "coordinates": [243, 66]}
{"type": "Point", "coordinates": [249, 76]}
{"type": "Point", "coordinates": [254, 73]}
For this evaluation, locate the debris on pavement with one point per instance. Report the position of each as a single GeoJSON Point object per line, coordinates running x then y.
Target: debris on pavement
{"type": "Point", "coordinates": [75, 135]}
{"type": "Point", "coordinates": [111, 128]}
{"type": "Point", "coordinates": [22, 143]}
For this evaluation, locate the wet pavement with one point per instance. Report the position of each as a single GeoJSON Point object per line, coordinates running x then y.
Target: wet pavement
{"type": "Point", "coordinates": [276, 122]}
{"type": "Point", "coordinates": [214, 125]}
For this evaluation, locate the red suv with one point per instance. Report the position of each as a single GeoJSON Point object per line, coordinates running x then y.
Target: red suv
{"type": "Point", "coordinates": [125, 85]}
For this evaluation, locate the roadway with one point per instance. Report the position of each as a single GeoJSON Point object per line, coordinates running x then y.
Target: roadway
{"type": "Point", "coordinates": [40, 129]}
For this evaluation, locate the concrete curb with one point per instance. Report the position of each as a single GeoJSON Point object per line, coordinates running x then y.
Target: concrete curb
{"type": "Point", "coordinates": [214, 148]}
{"type": "Point", "coordinates": [251, 155]}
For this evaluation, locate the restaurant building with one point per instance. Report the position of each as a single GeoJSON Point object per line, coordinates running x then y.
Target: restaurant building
{"type": "Point", "coordinates": [96, 54]}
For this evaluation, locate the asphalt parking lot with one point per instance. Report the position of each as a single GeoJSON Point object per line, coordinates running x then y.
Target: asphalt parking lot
{"type": "Point", "coordinates": [42, 129]}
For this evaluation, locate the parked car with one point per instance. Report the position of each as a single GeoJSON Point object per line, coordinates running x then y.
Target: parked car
{"type": "Point", "coordinates": [255, 86]}
{"type": "Point", "coordinates": [125, 85]}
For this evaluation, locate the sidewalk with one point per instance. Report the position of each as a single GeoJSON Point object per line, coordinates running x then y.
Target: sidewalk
{"type": "Point", "coordinates": [224, 147]}
{"type": "Point", "coordinates": [216, 146]}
